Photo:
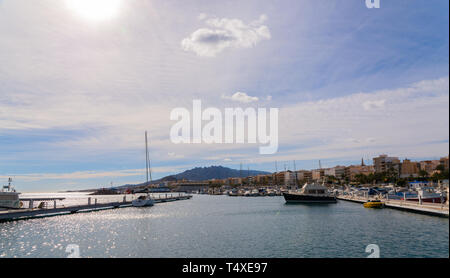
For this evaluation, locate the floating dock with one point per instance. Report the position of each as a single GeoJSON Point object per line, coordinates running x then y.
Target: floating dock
{"type": "Point", "coordinates": [29, 213]}
{"type": "Point", "coordinates": [435, 209]}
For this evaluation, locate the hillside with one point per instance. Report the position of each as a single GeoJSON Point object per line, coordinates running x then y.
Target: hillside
{"type": "Point", "coordinates": [215, 172]}
{"type": "Point", "coordinates": [204, 173]}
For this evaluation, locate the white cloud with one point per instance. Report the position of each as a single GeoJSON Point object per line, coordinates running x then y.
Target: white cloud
{"type": "Point", "coordinates": [174, 155]}
{"type": "Point", "coordinates": [202, 16]}
{"type": "Point", "coordinates": [373, 104]}
{"type": "Point", "coordinates": [325, 126]}
{"type": "Point", "coordinates": [85, 175]}
{"type": "Point", "coordinates": [341, 127]}
{"type": "Point", "coordinates": [223, 33]}
{"type": "Point", "coordinates": [241, 97]}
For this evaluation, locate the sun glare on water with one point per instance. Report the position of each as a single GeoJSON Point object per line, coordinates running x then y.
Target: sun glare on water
{"type": "Point", "coordinates": [96, 10]}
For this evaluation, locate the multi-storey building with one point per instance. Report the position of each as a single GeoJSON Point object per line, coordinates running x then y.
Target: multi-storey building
{"type": "Point", "coordinates": [318, 174]}
{"type": "Point", "coordinates": [444, 161]}
{"type": "Point", "coordinates": [409, 169]}
{"type": "Point", "coordinates": [384, 163]}
{"type": "Point", "coordinates": [279, 178]}
{"type": "Point", "coordinates": [264, 179]}
{"type": "Point", "coordinates": [234, 181]}
{"type": "Point", "coordinates": [304, 176]}
{"type": "Point", "coordinates": [352, 171]}
{"type": "Point", "coordinates": [337, 171]}
{"type": "Point", "coordinates": [429, 165]}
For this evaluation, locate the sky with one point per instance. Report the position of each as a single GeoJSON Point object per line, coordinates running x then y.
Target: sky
{"type": "Point", "coordinates": [80, 82]}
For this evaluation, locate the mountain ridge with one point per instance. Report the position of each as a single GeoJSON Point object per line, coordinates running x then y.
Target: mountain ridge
{"type": "Point", "coordinates": [203, 173]}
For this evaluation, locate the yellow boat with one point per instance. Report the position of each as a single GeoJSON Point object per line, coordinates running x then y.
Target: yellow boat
{"type": "Point", "coordinates": [373, 204]}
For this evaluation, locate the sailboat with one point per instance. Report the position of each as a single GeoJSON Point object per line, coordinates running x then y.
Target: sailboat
{"type": "Point", "coordinates": [145, 200]}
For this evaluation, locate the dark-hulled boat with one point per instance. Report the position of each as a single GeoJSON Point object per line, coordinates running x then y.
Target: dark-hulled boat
{"type": "Point", "coordinates": [310, 193]}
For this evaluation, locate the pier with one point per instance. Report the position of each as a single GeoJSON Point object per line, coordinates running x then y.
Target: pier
{"type": "Point", "coordinates": [436, 209]}
{"type": "Point", "coordinates": [91, 204]}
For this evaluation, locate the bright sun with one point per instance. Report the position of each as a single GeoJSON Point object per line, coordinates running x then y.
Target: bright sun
{"type": "Point", "coordinates": [95, 9]}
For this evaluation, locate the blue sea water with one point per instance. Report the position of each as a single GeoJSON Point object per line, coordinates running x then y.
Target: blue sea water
{"type": "Point", "coordinates": [222, 226]}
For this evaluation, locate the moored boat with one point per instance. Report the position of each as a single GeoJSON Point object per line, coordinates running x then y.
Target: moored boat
{"type": "Point", "coordinates": [9, 198]}
{"type": "Point", "coordinates": [373, 204]}
{"type": "Point", "coordinates": [310, 193]}
{"type": "Point", "coordinates": [143, 201]}
{"type": "Point", "coordinates": [428, 195]}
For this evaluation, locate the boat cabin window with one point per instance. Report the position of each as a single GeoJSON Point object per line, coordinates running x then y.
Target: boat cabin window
{"type": "Point", "coordinates": [313, 191]}
{"type": "Point", "coordinates": [9, 197]}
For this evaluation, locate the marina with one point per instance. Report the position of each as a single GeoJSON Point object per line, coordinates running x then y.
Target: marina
{"type": "Point", "coordinates": [219, 226]}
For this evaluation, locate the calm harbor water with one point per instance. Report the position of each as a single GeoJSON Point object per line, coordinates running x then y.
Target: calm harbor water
{"type": "Point", "coordinates": [222, 226]}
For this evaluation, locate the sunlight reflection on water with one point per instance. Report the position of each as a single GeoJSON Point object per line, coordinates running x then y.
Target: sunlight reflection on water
{"type": "Point", "coordinates": [221, 226]}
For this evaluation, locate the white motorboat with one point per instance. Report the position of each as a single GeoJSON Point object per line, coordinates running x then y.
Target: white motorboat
{"type": "Point", "coordinates": [310, 193]}
{"type": "Point", "coordinates": [143, 201]}
{"type": "Point", "coordinates": [9, 198]}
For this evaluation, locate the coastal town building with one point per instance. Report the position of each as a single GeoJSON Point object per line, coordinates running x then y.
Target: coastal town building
{"type": "Point", "coordinates": [329, 172]}
{"type": "Point", "coordinates": [444, 162]}
{"type": "Point", "coordinates": [304, 176]}
{"type": "Point", "coordinates": [318, 174]}
{"type": "Point", "coordinates": [384, 163]}
{"type": "Point", "coordinates": [291, 178]}
{"type": "Point", "coordinates": [234, 181]}
{"type": "Point", "coordinates": [264, 180]}
{"type": "Point", "coordinates": [286, 178]}
{"type": "Point", "coordinates": [279, 178]}
{"type": "Point", "coordinates": [337, 171]}
{"type": "Point", "coordinates": [409, 169]}
{"type": "Point", "coordinates": [429, 166]}
{"type": "Point", "coordinates": [352, 171]}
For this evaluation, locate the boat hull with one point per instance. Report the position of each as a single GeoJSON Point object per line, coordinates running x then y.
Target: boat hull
{"type": "Point", "coordinates": [142, 203]}
{"type": "Point", "coordinates": [9, 200]}
{"type": "Point", "coordinates": [373, 205]}
{"type": "Point", "coordinates": [10, 204]}
{"type": "Point", "coordinates": [304, 198]}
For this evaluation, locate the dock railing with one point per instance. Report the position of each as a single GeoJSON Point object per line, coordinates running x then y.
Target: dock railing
{"type": "Point", "coordinates": [50, 207]}
{"type": "Point", "coordinates": [443, 206]}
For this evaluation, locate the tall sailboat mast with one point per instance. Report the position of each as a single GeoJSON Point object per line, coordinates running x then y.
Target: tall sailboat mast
{"type": "Point", "coordinates": [295, 175]}
{"type": "Point", "coordinates": [146, 156]}
{"type": "Point", "coordinates": [276, 173]}
{"type": "Point", "coordinates": [148, 168]}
